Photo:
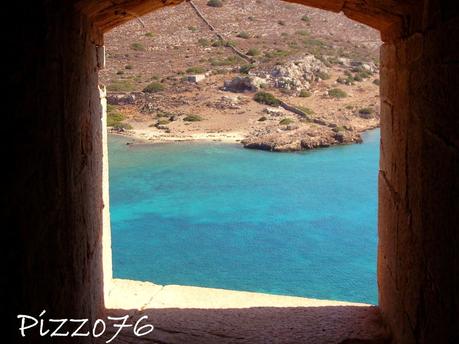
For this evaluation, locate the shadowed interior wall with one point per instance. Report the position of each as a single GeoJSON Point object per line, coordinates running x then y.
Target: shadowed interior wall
{"type": "Point", "coordinates": [418, 270]}
{"type": "Point", "coordinates": [54, 247]}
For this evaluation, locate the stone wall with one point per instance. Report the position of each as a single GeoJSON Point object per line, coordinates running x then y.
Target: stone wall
{"type": "Point", "coordinates": [53, 247]}
{"type": "Point", "coordinates": [418, 267]}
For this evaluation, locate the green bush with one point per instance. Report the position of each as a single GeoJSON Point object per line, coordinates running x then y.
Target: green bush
{"type": "Point", "coordinates": [262, 119]}
{"type": "Point", "coordinates": [305, 94]}
{"type": "Point", "coordinates": [339, 129]}
{"type": "Point", "coordinates": [215, 3]}
{"type": "Point", "coordinates": [281, 22]}
{"type": "Point", "coordinates": [307, 110]}
{"type": "Point", "coordinates": [218, 43]}
{"type": "Point", "coordinates": [192, 28]}
{"type": "Point", "coordinates": [366, 113]}
{"type": "Point", "coordinates": [277, 53]}
{"type": "Point", "coordinates": [149, 34]}
{"type": "Point", "coordinates": [122, 126]}
{"type": "Point", "coordinates": [376, 82]}
{"type": "Point", "coordinates": [359, 76]}
{"type": "Point", "coordinates": [286, 121]}
{"type": "Point", "coordinates": [196, 70]}
{"type": "Point", "coordinates": [161, 113]}
{"type": "Point", "coordinates": [357, 69]}
{"type": "Point", "coordinates": [245, 69]}
{"type": "Point", "coordinates": [120, 72]}
{"type": "Point", "coordinates": [253, 52]}
{"type": "Point", "coordinates": [114, 118]}
{"type": "Point", "coordinates": [302, 33]}
{"type": "Point", "coordinates": [121, 86]}
{"type": "Point", "coordinates": [243, 35]}
{"type": "Point", "coordinates": [163, 122]}
{"type": "Point", "coordinates": [229, 61]}
{"type": "Point", "coordinates": [154, 87]}
{"type": "Point", "coordinates": [337, 93]}
{"type": "Point", "coordinates": [193, 118]}
{"type": "Point", "coordinates": [305, 18]}
{"type": "Point", "coordinates": [129, 66]}
{"type": "Point", "coordinates": [111, 108]}
{"type": "Point", "coordinates": [219, 71]}
{"type": "Point", "coordinates": [322, 75]}
{"type": "Point", "coordinates": [333, 60]}
{"type": "Point", "coordinates": [349, 80]}
{"type": "Point", "coordinates": [266, 98]}
{"type": "Point", "coordinates": [203, 42]}
{"type": "Point", "coordinates": [312, 42]}
{"type": "Point", "coordinates": [137, 46]}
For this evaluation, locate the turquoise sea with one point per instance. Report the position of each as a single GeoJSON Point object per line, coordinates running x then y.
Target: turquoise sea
{"type": "Point", "coordinates": [218, 215]}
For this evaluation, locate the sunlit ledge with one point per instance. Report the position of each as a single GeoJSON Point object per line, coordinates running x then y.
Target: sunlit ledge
{"type": "Point", "coordinates": [185, 314]}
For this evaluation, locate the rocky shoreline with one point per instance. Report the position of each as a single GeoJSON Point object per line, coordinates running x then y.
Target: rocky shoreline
{"type": "Point", "coordinates": [307, 142]}
{"type": "Point", "coordinates": [272, 143]}
{"type": "Point", "coordinates": [298, 105]}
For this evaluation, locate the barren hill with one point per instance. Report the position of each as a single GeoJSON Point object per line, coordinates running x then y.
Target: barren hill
{"type": "Point", "coordinates": [164, 48]}
{"type": "Point", "coordinates": [173, 39]}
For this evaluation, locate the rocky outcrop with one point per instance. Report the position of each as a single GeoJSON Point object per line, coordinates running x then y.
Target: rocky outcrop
{"type": "Point", "coordinates": [291, 139]}
{"type": "Point", "coordinates": [369, 67]}
{"type": "Point", "coordinates": [299, 74]}
{"type": "Point", "coordinates": [276, 112]}
{"type": "Point", "coordinates": [244, 84]}
{"type": "Point", "coordinates": [227, 102]}
{"type": "Point", "coordinates": [121, 98]}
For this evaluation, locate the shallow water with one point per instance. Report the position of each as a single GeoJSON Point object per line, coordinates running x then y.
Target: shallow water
{"type": "Point", "coordinates": [218, 215]}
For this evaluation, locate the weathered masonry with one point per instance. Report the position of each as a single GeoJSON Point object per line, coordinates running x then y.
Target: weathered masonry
{"type": "Point", "coordinates": [55, 203]}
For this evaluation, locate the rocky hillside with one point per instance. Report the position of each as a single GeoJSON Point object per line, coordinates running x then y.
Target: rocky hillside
{"type": "Point", "coordinates": [169, 41]}
{"type": "Point", "coordinates": [168, 67]}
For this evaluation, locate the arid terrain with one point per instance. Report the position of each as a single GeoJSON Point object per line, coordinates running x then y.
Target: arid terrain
{"type": "Point", "coordinates": [273, 75]}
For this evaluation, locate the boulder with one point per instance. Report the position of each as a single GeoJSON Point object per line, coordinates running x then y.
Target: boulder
{"type": "Point", "coordinates": [368, 66]}
{"type": "Point", "coordinates": [196, 78]}
{"type": "Point", "coordinates": [274, 111]}
{"type": "Point", "coordinates": [298, 75]}
{"type": "Point", "coordinates": [226, 102]}
{"type": "Point", "coordinates": [344, 61]}
{"type": "Point", "coordinates": [121, 98]}
{"type": "Point", "coordinates": [243, 84]}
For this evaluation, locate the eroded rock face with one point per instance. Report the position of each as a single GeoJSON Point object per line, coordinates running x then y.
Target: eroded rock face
{"type": "Point", "coordinates": [243, 84]}
{"type": "Point", "coordinates": [370, 67]}
{"type": "Point", "coordinates": [298, 75]}
{"type": "Point", "coordinates": [121, 98]}
{"type": "Point", "coordinates": [274, 111]}
{"type": "Point", "coordinates": [293, 138]}
{"type": "Point", "coordinates": [227, 102]}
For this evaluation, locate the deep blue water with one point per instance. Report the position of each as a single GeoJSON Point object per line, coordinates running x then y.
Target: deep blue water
{"type": "Point", "coordinates": [221, 216]}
